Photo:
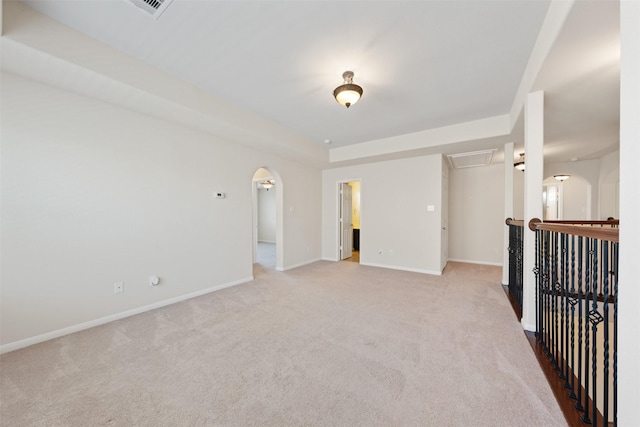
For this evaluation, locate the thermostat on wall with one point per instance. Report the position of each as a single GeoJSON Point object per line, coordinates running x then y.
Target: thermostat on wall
{"type": "Point", "coordinates": [219, 195]}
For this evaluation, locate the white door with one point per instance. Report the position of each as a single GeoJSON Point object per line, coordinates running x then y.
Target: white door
{"type": "Point", "coordinates": [444, 242]}
{"type": "Point", "coordinates": [346, 225]}
{"type": "Point", "coordinates": [550, 198]}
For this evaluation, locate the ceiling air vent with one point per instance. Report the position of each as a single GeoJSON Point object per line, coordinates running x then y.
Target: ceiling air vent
{"type": "Point", "coordinates": [152, 7]}
{"type": "Point", "coordinates": [470, 160]}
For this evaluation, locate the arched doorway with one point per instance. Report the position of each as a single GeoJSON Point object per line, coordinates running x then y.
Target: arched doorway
{"type": "Point", "coordinates": [566, 200]}
{"type": "Point", "coordinates": [267, 192]}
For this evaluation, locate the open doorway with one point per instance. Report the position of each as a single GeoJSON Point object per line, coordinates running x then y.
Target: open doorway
{"type": "Point", "coordinates": [552, 202]}
{"type": "Point", "coordinates": [267, 219]}
{"type": "Point", "coordinates": [349, 214]}
{"type": "Point", "coordinates": [569, 199]}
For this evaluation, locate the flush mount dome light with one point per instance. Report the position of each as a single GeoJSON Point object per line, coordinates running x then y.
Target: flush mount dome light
{"type": "Point", "coordinates": [562, 177]}
{"type": "Point", "coordinates": [269, 183]}
{"type": "Point", "coordinates": [348, 93]}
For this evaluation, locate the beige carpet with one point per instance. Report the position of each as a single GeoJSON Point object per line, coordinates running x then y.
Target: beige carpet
{"type": "Point", "coordinates": [329, 344]}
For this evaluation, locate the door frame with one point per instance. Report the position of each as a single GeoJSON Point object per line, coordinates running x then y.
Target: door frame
{"type": "Point", "coordinates": [337, 215]}
{"type": "Point", "coordinates": [279, 189]}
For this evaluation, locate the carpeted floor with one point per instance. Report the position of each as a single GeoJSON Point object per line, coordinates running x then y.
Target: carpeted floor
{"type": "Point", "coordinates": [337, 344]}
{"type": "Point", "coordinates": [266, 254]}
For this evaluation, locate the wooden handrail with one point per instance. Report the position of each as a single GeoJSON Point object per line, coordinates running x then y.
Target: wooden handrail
{"type": "Point", "coordinates": [585, 222]}
{"type": "Point", "coordinates": [518, 222]}
{"type": "Point", "coordinates": [569, 227]}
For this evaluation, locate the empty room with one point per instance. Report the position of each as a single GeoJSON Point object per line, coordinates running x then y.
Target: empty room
{"type": "Point", "coordinates": [347, 213]}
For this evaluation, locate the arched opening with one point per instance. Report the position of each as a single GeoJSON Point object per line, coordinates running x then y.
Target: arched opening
{"type": "Point", "coordinates": [566, 200]}
{"type": "Point", "coordinates": [267, 191]}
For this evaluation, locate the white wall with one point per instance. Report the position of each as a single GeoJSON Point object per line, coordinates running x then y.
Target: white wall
{"type": "Point", "coordinates": [94, 194]}
{"type": "Point", "coordinates": [476, 208]}
{"type": "Point", "coordinates": [518, 194]}
{"type": "Point", "coordinates": [394, 216]}
{"type": "Point", "coordinates": [609, 202]}
{"type": "Point", "coordinates": [444, 202]}
{"type": "Point", "coordinates": [266, 215]}
{"type": "Point", "coordinates": [576, 198]}
{"type": "Point", "coordinates": [629, 305]}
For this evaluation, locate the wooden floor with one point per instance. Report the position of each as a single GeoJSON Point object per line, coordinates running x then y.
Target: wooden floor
{"type": "Point", "coordinates": [567, 405]}
{"type": "Point", "coordinates": [355, 257]}
{"type": "Point", "coordinates": [571, 414]}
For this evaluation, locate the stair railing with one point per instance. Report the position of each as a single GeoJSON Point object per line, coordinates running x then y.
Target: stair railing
{"type": "Point", "coordinates": [576, 273]}
{"type": "Point", "coordinates": [516, 231]}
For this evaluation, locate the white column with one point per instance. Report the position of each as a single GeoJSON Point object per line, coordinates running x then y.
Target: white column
{"type": "Point", "coordinates": [534, 164]}
{"type": "Point", "coordinates": [508, 207]}
{"type": "Point", "coordinates": [629, 289]}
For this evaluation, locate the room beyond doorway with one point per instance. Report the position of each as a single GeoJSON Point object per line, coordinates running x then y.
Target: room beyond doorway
{"type": "Point", "coordinates": [266, 254]}
{"type": "Point", "coordinates": [349, 220]}
{"type": "Point", "coordinates": [355, 257]}
{"type": "Point", "coordinates": [267, 218]}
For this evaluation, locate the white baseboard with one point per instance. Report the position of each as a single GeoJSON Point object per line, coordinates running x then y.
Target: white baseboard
{"type": "Point", "coordinates": [330, 259]}
{"type": "Point", "coordinates": [468, 261]}
{"type": "Point", "coordinates": [16, 345]}
{"type": "Point", "coordinates": [300, 264]}
{"type": "Point", "coordinates": [395, 267]}
{"type": "Point", "coordinates": [267, 241]}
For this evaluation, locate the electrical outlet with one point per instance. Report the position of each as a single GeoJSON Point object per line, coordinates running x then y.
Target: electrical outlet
{"type": "Point", "coordinates": [118, 288]}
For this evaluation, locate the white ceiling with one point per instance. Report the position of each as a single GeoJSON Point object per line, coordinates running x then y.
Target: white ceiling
{"type": "Point", "coordinates": [422, 64]}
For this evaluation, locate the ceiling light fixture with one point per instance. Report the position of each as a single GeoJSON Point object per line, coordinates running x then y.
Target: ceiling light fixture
{"type": "Point", "coordinates": [562, 177]}
{"type": "Point", "coordinates": [268, 184]}
{"type": "Point", "coordinates": [520, 163]}
{"type": "Point", "coordinates": [347, 93]}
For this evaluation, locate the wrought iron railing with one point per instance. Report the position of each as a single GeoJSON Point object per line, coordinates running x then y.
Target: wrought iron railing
{"type": "Point", "coordinates": [516, 230]}
{"type": "Point", "coordinates": [576, 273]}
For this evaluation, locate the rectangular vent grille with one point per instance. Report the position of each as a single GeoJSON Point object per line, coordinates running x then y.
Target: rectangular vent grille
{"type": "Point", "coordinates": [472, 159]}
{"type": "Point", "coordinates": [152, 7]}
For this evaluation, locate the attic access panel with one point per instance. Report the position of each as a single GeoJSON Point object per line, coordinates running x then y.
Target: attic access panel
{"type": "Point", "coordinates": [471, 159]}
{"type": "Point", "coordinates": [152, 7]}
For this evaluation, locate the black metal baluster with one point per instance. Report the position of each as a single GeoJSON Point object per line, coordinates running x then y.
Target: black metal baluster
{"type": "Point", "coordinates": [536, 272]}
{"type": "Point", "coordinates": [547, 295]}
{"type": "Point", "coordinates": [593, 285]}
{"type": "Point", "coordinates": [573, 300]}
{"type": "Point", "coordinates": [580, 297]}
{"type": "Point", "coordinates": [595, 318]}
{"type": "Point", "coordinates": [587, 346]}
{"type": "Point", "coordinates": [554, 292]}
{"type": "Point", "coordinates": [541, 285]}
{"type": "Point", "coordinates": [565, 310]}
{"type": "Point", "coordinates": [520, 264]}
{"type": "Point", "coordinates": [512, 259]}
{"type": "Point", "coordinates": [605, 326]}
